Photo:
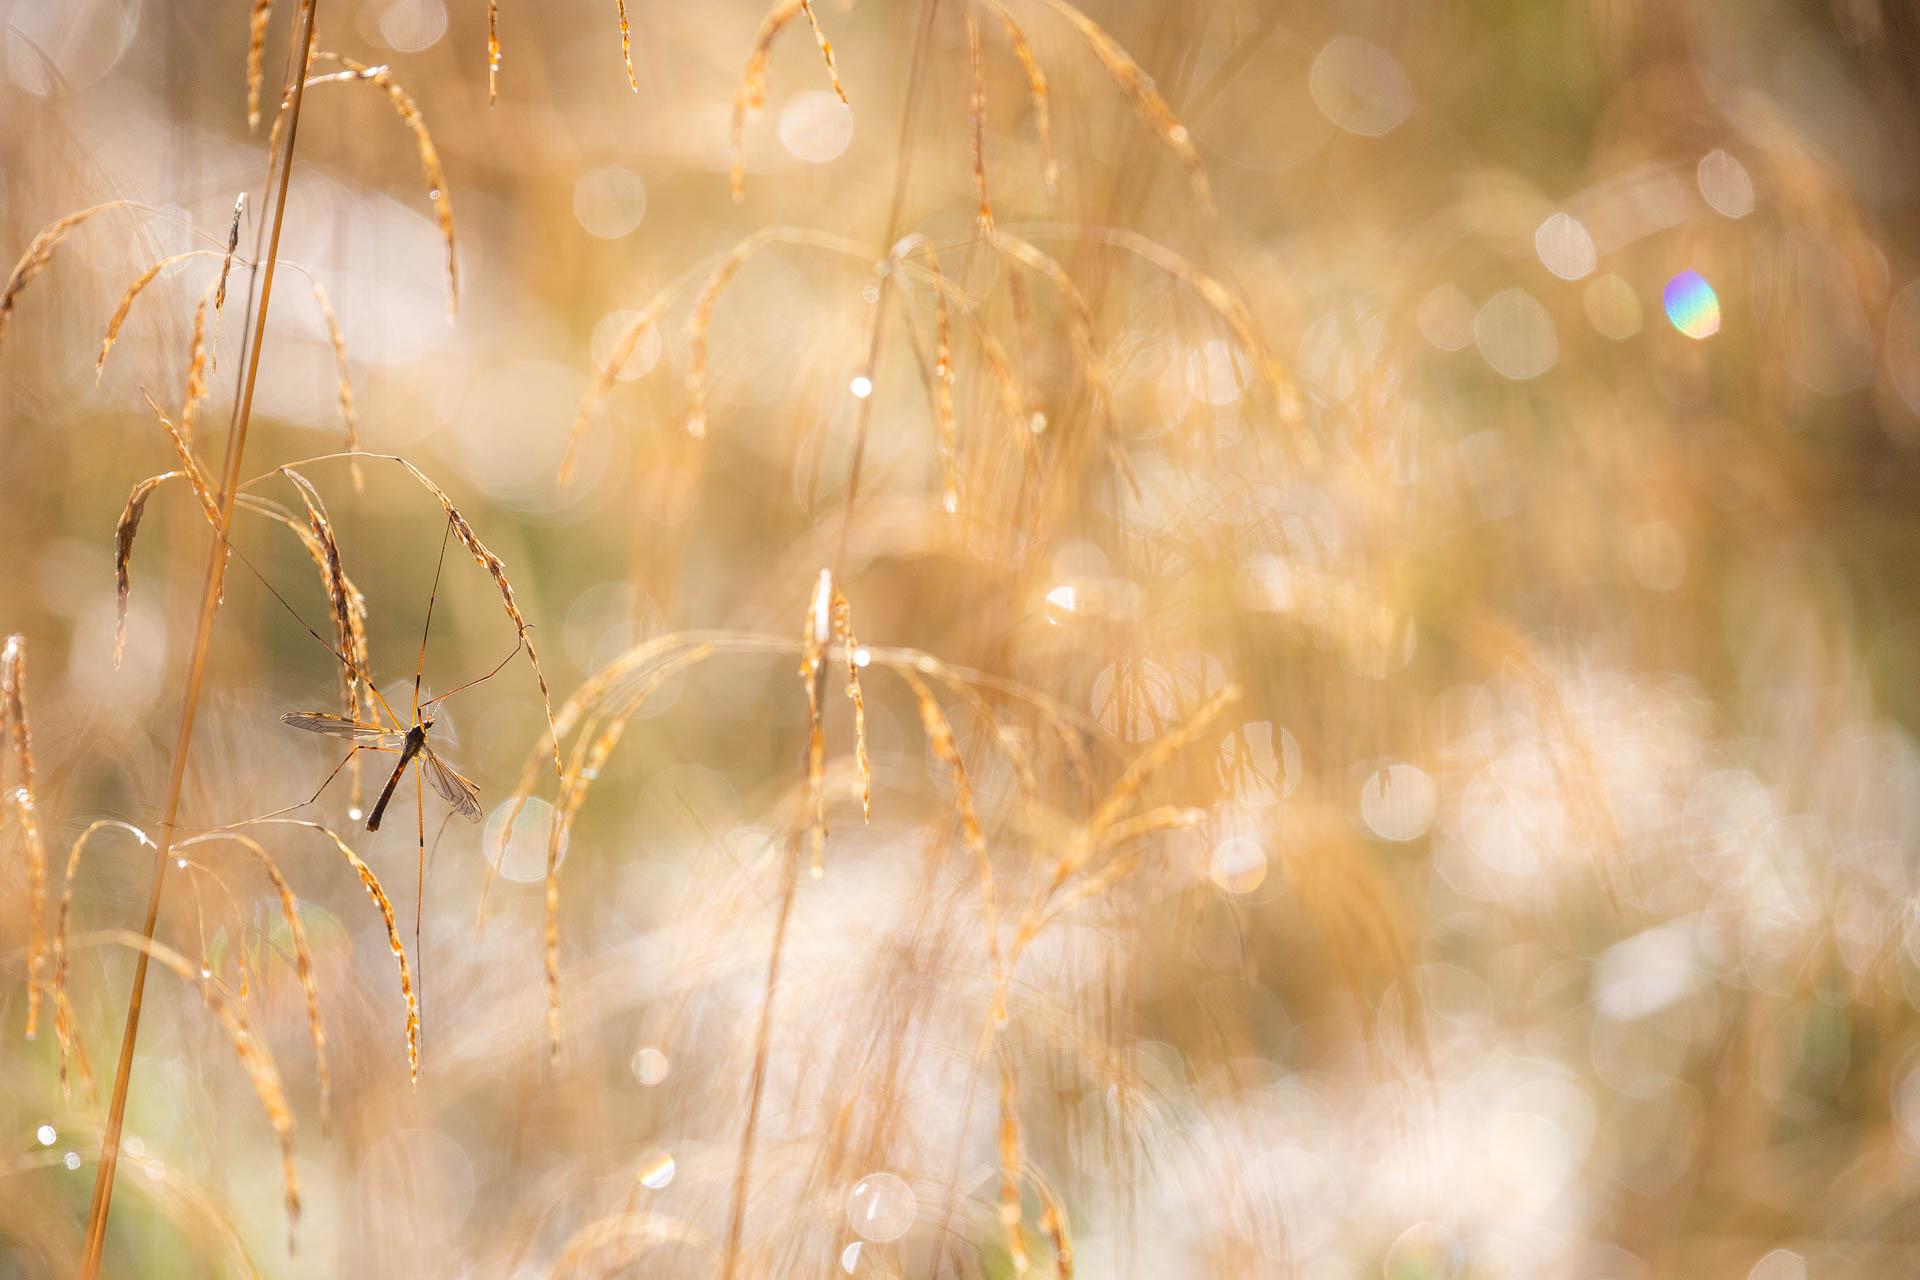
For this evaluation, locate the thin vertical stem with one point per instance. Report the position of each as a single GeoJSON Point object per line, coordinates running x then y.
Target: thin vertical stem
{"type": "Point", "coordinates": [196, 670]}
{"type": "Point", "coordinates": [743, 1167]}
{"type": "Point", "coordinates": [902, 169]}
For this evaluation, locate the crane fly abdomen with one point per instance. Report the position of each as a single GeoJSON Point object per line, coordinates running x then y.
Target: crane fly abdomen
{"type": "Point", "coordinates": [416, 739]}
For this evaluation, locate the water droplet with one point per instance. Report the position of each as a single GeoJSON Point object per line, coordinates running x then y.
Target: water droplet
{"type": "Point", "coordinates": [354, 814]}
{"type": "Point", "coordinates": [45, 1133]}
{"type": "Point", "coordinates": [1725, 184]}
{"type": "Point", "coordinates": [881, 1207]}
{"type": "Point", "coordinates": [609, 202]}
{"type": "Point", "coordinates": [657, 1172]}
{"type": "Point", "coordinates": [1238, 864]}
{"type": "Point", "coordinates": [1781, 1264]}
{"type": "Point", "coordinates": [1397, 802]}
{"type": "Point", "coordinates": [1425, 1251]}
{"type": "Point", "coordinates": [71, 1160]}
{"type": "Point", "coordinates": [1516, 335]}
{"type": "Point", "coordinates": [650, 1066]}
{"type": "Point", "coordinates": [180, 863]}
{"type": "Point", "coordinates": [1565, 247]}
{"type": "Point", "coordinates": [861, 386]}
{"type": "Point", "coordinates": [1612, 307]}
{"type": "Point", "coordinates": [1360, 87]}
{"type": "Point", "coordinates": [850, 1257]}
{"type": "Point", "coordinates": [815, 127]}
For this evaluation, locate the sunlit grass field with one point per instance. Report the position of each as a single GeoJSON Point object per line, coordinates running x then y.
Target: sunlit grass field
{"type": "Point", "coordinates": [960, 638]}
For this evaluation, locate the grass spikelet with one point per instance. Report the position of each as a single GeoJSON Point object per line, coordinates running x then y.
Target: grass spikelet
{"type": "Point", "coordinates": [63, 1022]}
{"type": "Point", "coordinates": [226, 259]}
{"type": "Point", "coordinates": [1102, 829]}
{"type": "Point", "coordinates": [751, 95]}
{"type": "Point", "coordinates": [189, 465]}
{"type": "Point", "coordinates": [700, 322]}
{"type": "Point", "coordinates": [1145, 95]}
{"type": "Point", "coordinates": [497, 570]}
{"type": "Point", "coordinates": [127, 300]}
{"type": "Point", "coordinates": [1053, 1221]}
{"type": "Point", "coordinates": [815, 634]}
{"type": "Point", "coordinates": [1036, 93]}
{"type": "Point", "coordinates": [13, 704]}
{"type": "Point", "coordinates": [1149, 762]}
{"type": "Point", "coordinates": [1231, 311]}
{"type": "Point", "coordinates": [829, 618]}
{"type": "Point", "coordinates": [629, 343]}
{"type": "Point", "coordinates": [482, 556]}
{"type": "Point", "coordinates": [939, 731]}
{"type": "Point", "coordinates": [40, 252]}
{"type": "Point", "coordinates": [826, 49]}
{"type": "Point", "coordinates": [409, 112]}
{"type": "Point", "coordinates": [248, 1048]}
{"type": "Point", "coordinates": [493, 51]}
{"type": "Point", "coordinates": [598, 738]}
{"type": "Point", "coordinates": [302, 957]}
{"type": "Point", "coordinates": [943, 385]}
{"type": "Point", "coordinates": [977, 117]}
{"type": "Point", "coordinates": [371, 883]}
{"type": "Point", "coordinates": [1008, 1147]}
{"type": "Point", "coordinates": [343, 375]}
{"type": "Point", "coordinates": [256, 58]}
{"type": "Point", "coordinates": [843, 627]}
{"type": "Point", "coordinates": [339, 595]}
{"type": "Point", "coordinates": [196, 373]}
{"type": "Point", "coordinates": [626, 44]}
{"type": "Point", "coordinates": [123, 535]}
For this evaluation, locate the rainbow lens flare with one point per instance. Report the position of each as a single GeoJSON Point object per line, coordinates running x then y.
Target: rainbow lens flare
{"type": "Point", "coordinates": [1692, 306]}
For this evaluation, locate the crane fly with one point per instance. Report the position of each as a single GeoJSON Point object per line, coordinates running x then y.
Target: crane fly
{"type": "Point", "coordinates": [409, 743]}
{"type": "Point", "coordinates": [456, 789]}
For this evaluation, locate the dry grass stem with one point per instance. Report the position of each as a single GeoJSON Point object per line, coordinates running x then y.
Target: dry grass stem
{"type": "Point", "coordinates": [751, 95]}
{"type": "Point", "coordinates": [409, 112]}
{"type": "Point", "coordinates": [20, 795]}
{"type": "Point", "coordinates": [1036, 93]}
{"type": "Point", "coordinates": [302, 957]}
{"type": "Point", "coordinates": [257, 20]}
{"type": "Point", "coordinates": [1145, 95]}
{"type": "Point", "coordinates": [40, 252]}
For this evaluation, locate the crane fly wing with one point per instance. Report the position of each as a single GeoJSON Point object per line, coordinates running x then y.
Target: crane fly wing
{"type": "Point", "coordinates": [367, 735]}
{"type": "Point", "coordinates": [456, 790]}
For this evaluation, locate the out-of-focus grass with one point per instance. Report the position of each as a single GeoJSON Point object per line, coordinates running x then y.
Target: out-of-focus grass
{"type": "Point", "coordinates": [1539, 902]}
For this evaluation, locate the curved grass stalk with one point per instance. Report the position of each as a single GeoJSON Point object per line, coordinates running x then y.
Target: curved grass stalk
{"type": "Point", "coordinates": [196, 667]}
{"type": "Point", "coordinates": [302, 957]}
{"type": "Point", "coordinates": [248, 1047]}
{"type": "Point", "coordinates": [371, 883]}
{"type": "Point", "coordinates": [751, 95]}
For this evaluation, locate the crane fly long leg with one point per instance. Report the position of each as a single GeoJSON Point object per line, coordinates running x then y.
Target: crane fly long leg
{"type": "Point", "coordinates": [441, 697]}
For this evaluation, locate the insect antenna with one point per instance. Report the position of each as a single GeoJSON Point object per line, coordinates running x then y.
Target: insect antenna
{"type": "Point", "coordinates": [305, 626]}
{"type": "Point", "coordinates": [420, 664]}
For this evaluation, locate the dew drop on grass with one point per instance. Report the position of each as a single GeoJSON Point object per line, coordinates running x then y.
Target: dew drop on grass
{"type": "Point", "coordinates": [649, 1065]}
{"type": "Point", "coordinates": [881, 1207]}
{"type": "Point", "coordinates": [1424, 1251]}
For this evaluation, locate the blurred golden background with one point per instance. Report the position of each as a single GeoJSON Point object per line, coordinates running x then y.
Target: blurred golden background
{"type": "Point", "coordinates": [1376, 543]}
